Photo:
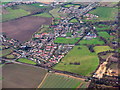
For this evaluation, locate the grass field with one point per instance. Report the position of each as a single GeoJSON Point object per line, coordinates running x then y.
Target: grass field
{"type": "Point", "coordinates": [99, 28]}
{"type": "Point", "coordinates": [88, 61]}
{"type": "Point", "coordinates": [59, 81]}
{"type": "Point", "coordinates": [24, 60]}
{"type": "Point", "coordinates": [104, 34]}
{"type": "Point", "coordinates": [93, 41]}
{"type": "Point", "coordinates": [74, 21]}
{"type": "Point", "coordinates": [56, 14]}
{"type": "Point", "coordinates": [66, 40]}
{"type": "Point", "coordinates": [14, 14]}
{"type": "Point", "coordinates": [5, 52]}
{"type": "Point", "coordinates": [99, 49]}
{"type": "Point", "coordinates": [43, 15]}
{"type": "Point", "coordinates": [10, 56]}
{"type": "Point", "coordinates": [105, 13]}
{"type": "Point", "coordinates": [69, 5]}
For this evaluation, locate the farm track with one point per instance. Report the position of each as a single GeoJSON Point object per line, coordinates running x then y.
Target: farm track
{"type": "Point", "coordinates": [42, 81]}
{"type": "Point", "coordinates": [70, 76]}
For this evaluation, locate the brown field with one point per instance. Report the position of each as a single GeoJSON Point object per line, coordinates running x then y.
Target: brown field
{"type": "Point", "coordinates": [22, 29]}
{"type": "Point", "coordinates": [21, 76]}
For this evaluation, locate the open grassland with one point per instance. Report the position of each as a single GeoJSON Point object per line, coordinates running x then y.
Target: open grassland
{"type": "Point", "coordinates": [5, 52]}
{"type": "Point", "coordinates": [14, 13]}
{"type": "Point", "coordinates": [22, 76]}
{"type": "Point", "coordinates": [24, 60]}
{"type": "Point", "coordinates": [59, 81]}
{"type": "Point", "coordinates": [80, 54]}
{"type": "Point", "coordinates": [94, 41]}
{"type": "Point", "coordinates": [43, 15]}
{"type": "Point", "coordinates": [99, 49]}
{"type": "Point", "coordinates": [66, 40]}
{"type": "Point", "coordinates": [105, 13]}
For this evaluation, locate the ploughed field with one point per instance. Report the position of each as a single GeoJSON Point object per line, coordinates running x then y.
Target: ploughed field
{"type": "Point", "coordinates": [22, 29]}
{"type": "Point", "coordinates": [21, 76]}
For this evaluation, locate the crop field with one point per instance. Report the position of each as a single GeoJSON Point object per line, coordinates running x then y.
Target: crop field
{"type": "Point", "coordinates": [21, 76]}
{"type": "Point", "coordinates": [94, 41]}
{"type": "Point", "coordinates": [105, 13]}
{"type": "Point", "coordinates": [59, 81]}
{"type": "Point", "coordinates": [12, 14]}
{"type": "Point", "coordinates": [5, 52]}
{"type": "Point", "coordinates": [80, 54]}
{"type": "Point", "coordinates": [15, 28]}
{"type": "Point", "coordinates": [43, 15]}
{"type": "Point", "coordinates": [66, 40]}
{"type": "Point", "coordinates": [23, 60]}
{"type": "Point", "coordinates": [99, 49]}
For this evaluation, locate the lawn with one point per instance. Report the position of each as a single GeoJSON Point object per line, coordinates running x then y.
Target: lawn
{"type": "Point", "coordinates": [5, 52]}
{"type": "Point", "coordinates": [14, 14]}
{"type": "Point", "coordinates": [88, 61]}
{"type": "Point", "coordinates": [24, 60]}
{"type": "Point", "coordinates": [93, 41]}
{"type": "Point", "coordinates": [66, 40]}
{"type": "Point", "coordinates": [59, 81]}
{"type": "Point", "coordinates": [43, 15]}
{"type": "Point", "coordinates": [99, 49]}
{"type": "Point", "coordinates": [105, 13]}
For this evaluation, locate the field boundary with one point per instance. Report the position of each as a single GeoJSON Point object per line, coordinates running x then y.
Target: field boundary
{"type": "Point", "coordinates": [42, 81]}
{"type": "Point", "coordinates": [70, 76]}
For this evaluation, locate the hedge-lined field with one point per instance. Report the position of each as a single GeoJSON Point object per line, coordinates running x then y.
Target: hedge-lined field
{"type": "Point", "coordinates": [80, 54]}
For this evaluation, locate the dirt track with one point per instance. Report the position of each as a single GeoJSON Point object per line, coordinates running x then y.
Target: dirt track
{"type": "Point", "coordinates": [23, 28]}
{"type": "Point", "coordinates": [22, 76]}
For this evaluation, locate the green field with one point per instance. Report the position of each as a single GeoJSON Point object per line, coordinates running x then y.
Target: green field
{"type": "Point", "coordinates": [69, 5]}
{"type": "Point", "coordinates": [10, 56]}
{"type": "Point", "coordinates": [14, 13]}
{"type": "Point", "coordinates": [104, 34]}
{"type": "Point", "coordinates": [99, 28]}
{"type": "Point", "coordinates": [43, 15]}
{"type": "Point", "coordinates": [74, 21]}
{"type": "Point", "coordinates": [56, 14]}
{"type": "Point", "coordinates": [105, 13]}
{"type": "Point", "coordinates": [88, 61]}
{"type": "Point", "coordinates": [93, 41]}
{"type": "Point", "coordinates": [66, 40]}
{"type": "Point", "coordinates": [59, 81]}
{"type": "Point", "coordinates": [99, 49]}
{"type": "Point", "coordinates": [24, 60]}
{"type": "Point", "coordinates": [5, 52]}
